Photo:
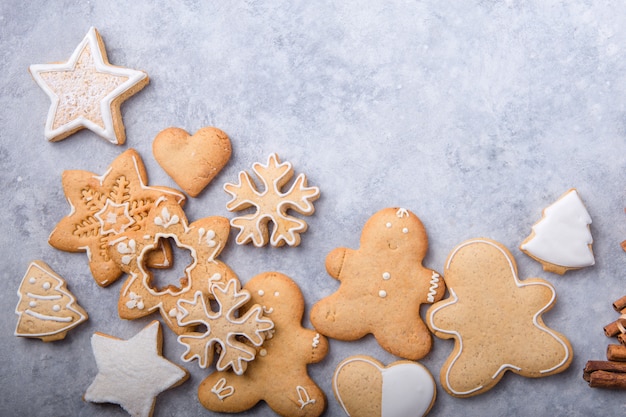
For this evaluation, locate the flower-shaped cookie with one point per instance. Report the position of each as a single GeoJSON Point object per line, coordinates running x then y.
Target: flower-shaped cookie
{"type": "Point", "coordinates": [383, 284]}
{"type": "Point", "coordinates": [495, 320]}
{"type": "Point", "coordinates": [204, 239]}
{"type": "Point", "coordinates": [105, 206]}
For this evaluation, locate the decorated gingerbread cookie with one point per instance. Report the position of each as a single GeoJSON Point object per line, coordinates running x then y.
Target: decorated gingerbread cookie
{"type": "Point", "coordinates": [366, 388]}
{"type": "Point", "coordinates": [204, 239]}
{"type": "Point", "coordinates": [561, 240]}
{"type": "Point", "coordinates": [46, 309]}
{"type": "Point", "coordinates": [105, 206]}
{"type": "Point", "coordinates": [495, 320]}
{"type": "Point", "coordinates": [272, 204]}
{"type": "Point", "coordinates": [228, 332]}
{"type": "Point", "coordinates": [385, 282]}
{"type": "Point", "coordinates": [192, 160]}
{"type": "Point", "coordinates": [87, 92]}
{"type": "Point", "coordinates": [133, 372]}
{"type": "Point", "coordinates": [278, 375]}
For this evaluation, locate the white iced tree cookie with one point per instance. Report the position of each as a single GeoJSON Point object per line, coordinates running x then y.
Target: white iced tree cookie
{"type": "Point", "coordinates": [225, 328]}
{"type": "Point", "coordinates": [47, 309]}
{"type": "Point", "coordinates": [561, 240]}
{"type": "Point", "coordinates": [271, 204]}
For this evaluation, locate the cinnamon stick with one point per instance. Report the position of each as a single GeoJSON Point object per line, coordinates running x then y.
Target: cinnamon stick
{"type": "Point", "coordinates": [616, 353]}
{"type": "Point", "coordinates": [612, 329]}
{"type": "Point", "coordinates": [622, 338]}
{"type": "Point", "coordinates": [620, 304]}
{"type": "Point", "coordinates": [605, 379]}
{"type": "Point", "coordinates": [607, 366]}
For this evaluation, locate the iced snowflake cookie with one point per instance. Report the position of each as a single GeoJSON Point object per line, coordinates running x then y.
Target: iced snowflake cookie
{"type": "Point", "coordinates": [46, 309]}
{"type": "Point", "coordinates": [204, 239]}
{"type": "Point", "coordinates": [132, 372]}
{"type": "Point", "coordinates": [232, 334]}
{"type": "Point", "coordinates": [495, 320]}
{"type": "Point", "coordinates": [192, 160]}
{"type": "Point", "coordinates": [87, 92]}
{"type": "Point", "coordinates": [561, 240]}
{"type": "Point", "coordinates": [271, 204]}
{"type": "Point", "coordinates": [384, 280]}
{"type": "Point", "coordinates": [278, 375]}
{"type": "Point", "coordinates": [366, 388]}
{"type": "Point", "coordinates": [105, 206]}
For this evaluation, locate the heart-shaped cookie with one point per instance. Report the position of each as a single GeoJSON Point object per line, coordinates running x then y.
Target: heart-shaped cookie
{"type": "Point", "coordinates": [366, 388]}
{"type": "Point", "coordinates": [192, 160]}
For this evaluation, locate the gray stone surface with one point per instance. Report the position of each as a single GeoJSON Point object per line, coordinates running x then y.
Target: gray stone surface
{"type": "Point", "coordinates": [475, 115]}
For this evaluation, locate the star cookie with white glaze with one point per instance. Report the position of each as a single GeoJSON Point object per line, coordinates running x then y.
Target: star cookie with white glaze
{"type": "Point", "coordinates": [86, 92]}
{"type": "Point", "coordinates": [133, 372]}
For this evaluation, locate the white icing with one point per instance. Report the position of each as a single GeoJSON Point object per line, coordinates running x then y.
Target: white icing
{"type": "Point", "coordinates": [276, 294]}
{"type": "Point", "coordinates": [388, 225]}
{"type": "Point", "coordinates": [221, 390]}
{"type": "Point", "coordinates": [316, 340]}
{"type": "Point", "coordinates": [454, 299]}
{"type": "Point", "coordinates": [405, 230]}
{"type": "Point", "coordinates": [402, 212]}
{"type": "Point", "coordinates": [111, 221]}
{"type": "Point", "coordinates": [56, 307]}
{"type": "Point", "coordinates": [32, 304]}
{"type": "Point", "coordinates": [133, 77]}
{"type": "Point", "coordinates": [166, 220]}
{"type": "Point", "coordinates": [562, 236]}
{"type": "Point", "coordinates": [44, 297]}
{"type": "Point", "coordinates": [386, 275]}
{"type": "Point", "coordinates": [46, 285]}
{"type": "Point", "coordinates": [303, 397]}
{"type": "Point", "coordinates": [261, 293]}
{"type": "Point", "coordinates": [47, 317]}
{"type": "Point", "coordinates": [434, 284]}
{"type": "Point", "coordinates": [32, 280]}
{"type": "Point", "coordinates": [382, 293]}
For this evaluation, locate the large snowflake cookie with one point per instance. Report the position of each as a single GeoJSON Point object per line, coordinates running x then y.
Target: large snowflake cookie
{"type": "Point", "coordinates": [561, 240]}
{"type": "Point", "coordinates": [271, 204]}
{"type": "Point", "coordinates": [87, 92]}
{"type": "Point", "coordinates": [278, 375]}
{"type": "Point", "coordinates": [204, 239]}
{"type": "Point", "coordinates": [226, 331]}
{"type": "Point", "coordinates": [495, 320]}
{"type": "Point", "coordinates": [47, 309]}
{"type": "Point", "coordinates": [105, 206]}
{"type": "Point", "coordinates": [132, 372]}
{"type": "Point", "coordinates": [383, 284]}
{"type": "Point", "coordinates": [366, 388]}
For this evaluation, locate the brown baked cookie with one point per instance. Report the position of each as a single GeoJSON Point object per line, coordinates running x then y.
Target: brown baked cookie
{"type": "Point", "coordinates": [278, 375]}
{"type": "Point", "coordinates": [105, 206]}
{"type": "Point", "coordinates": [192, 160]}
{"type": "Point", "coordinates": [366, 388]}
{"type": "Point", "coordinates": [495, 320]}
{"type": "Point", "coordinates": [383, 284]}
{"type": "Point", "coordinates": [204, 239]}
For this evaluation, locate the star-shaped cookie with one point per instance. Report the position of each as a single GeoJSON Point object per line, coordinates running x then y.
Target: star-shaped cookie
{"type": "Point", "coordinates": [87, 91]}
{"type": "Point", "coordinates": [105, 206]}
{"type": "Point", "coordinates": [132, 372]}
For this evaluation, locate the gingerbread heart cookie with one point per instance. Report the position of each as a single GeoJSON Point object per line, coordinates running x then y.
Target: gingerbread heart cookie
{"type": "Point", "coordinates": [366, 388]}
{"type": "Point", "coordinates": [383, 284]}
{"type": "Point", "coordinates": [192, 160]}
{"type": "Point", "coordinates": [495, 320]}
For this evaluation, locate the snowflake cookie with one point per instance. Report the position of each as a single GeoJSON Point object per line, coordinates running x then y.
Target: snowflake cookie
{"type": "Point", "coordinates": [133, 372]}
{"type": "Point", "coordinates": [87, 92]}
{"type": "Point", "coordinates": [271, 204]}
{"type": "Point", "coordinates": [204, 239]}
{"type": "Point", "coordinates": [226, 329]}
{"type": "Point", "coordinates": [105, 206]}
{"type": "Point", "coordinates": [47, 309]}
{"type": "Point", "coordinates": [282, 359]}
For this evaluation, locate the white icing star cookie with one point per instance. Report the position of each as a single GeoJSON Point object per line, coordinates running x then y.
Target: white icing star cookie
{"type": "Point", "coordinates": [132, 372]}
{"type": "Point", "coordinates": [87, 91]}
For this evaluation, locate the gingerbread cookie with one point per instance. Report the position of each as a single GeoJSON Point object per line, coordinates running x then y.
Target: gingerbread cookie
{"type": "Point", "coordinates": [132, 372]}
{"type": "Point", "coordinates": [105, 206]}
{"type": "Point", "coordinates": [204, 239]}
{"type": "Point", "coordinates": [278, 375]}
{"type": "Point", "coordinates": [87, 92]}
{"type": "Point", "coordinates": [192, 160]}
{"type": "Point", "coordinates": [47, 309]}
{"type": "Point", "coordinates": [366, 388]}
{"type": "Point", "coordinates": [226, 329]}
{"type": "Point", "coordinates": [271, 204]}
{"type": "Point", "coordinates": [385, 282]}
{"type": "Point", "coordinates": [495, 320]}
{"type": "Point", "coordinates": [561, 240]}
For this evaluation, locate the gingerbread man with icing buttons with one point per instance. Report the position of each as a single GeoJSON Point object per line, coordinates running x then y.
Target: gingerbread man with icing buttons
{"type": "Point", "coordinates": [383, 284]}
{"type": "Point", "coordinates": [278, 375]}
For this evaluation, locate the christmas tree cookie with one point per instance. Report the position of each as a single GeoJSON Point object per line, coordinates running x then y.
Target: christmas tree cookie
{"type": "Point", "coordinates": [561, 240]}
{"type": "Point", "coordinates": [46, 309]}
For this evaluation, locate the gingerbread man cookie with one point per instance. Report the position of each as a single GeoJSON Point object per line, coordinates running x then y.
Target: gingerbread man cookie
{"type": "Point", "coordinates": [495, 320]}
{"type": "Point", "coordinates": [278, 375]}
{"type": "Point", "coordinates": [383, 284]}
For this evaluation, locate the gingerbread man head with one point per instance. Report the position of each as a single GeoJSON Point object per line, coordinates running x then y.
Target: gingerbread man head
{"type": "Point", "coordinates": [383, 284]}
